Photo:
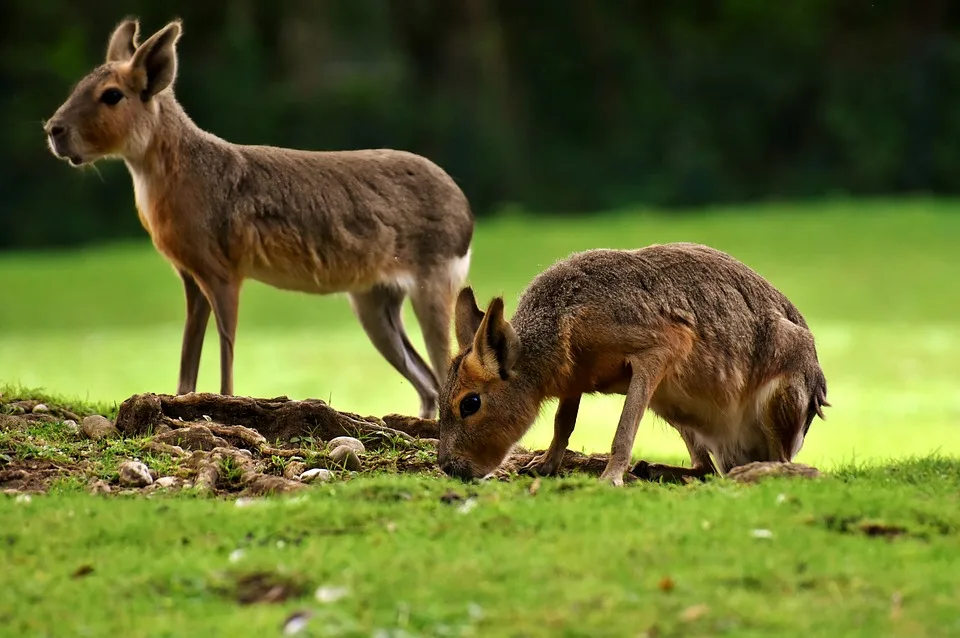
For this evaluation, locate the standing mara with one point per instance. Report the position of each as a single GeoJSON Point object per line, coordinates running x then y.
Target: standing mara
{"type": "Point", "coordinates": [688, 331]}
{"type": "Point", "coordinates": [376, 224]}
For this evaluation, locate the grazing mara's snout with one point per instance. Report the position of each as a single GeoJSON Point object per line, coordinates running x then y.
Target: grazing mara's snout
{"type": "Point", "coordinates": [379, 225]}
{"type": "Point", "coordinates": [685, 330]}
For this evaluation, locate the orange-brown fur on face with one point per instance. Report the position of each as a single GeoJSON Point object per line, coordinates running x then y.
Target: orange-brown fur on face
{"type": "Point", "coordinates": [377, 224]}
{"type": "Point", "coordinates": [682, 329]}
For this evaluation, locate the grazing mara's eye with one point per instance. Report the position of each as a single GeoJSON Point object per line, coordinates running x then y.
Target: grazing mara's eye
{"type": "Point", "coordinates": [469, 405]}
{"type": "Point", "coordinates": [111, 96]}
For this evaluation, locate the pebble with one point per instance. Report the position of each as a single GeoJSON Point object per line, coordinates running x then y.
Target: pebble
{"type": "Point", "coordinates": [345, 457]}
{"type": "Point", "coordinates": [354, 444]}
{"type": "Point", "coordinates": [40, 408]}
{"type": "Point", "coordinates": [71, 426]}
{"type": "Point", "coordinates": [134, 474]}
{"type": "Point", "coordinates": [316, 474]}
{"type": "Point", "coordinates": [166, 481]}
{"type": "Point", "coordinates": [98, 427]}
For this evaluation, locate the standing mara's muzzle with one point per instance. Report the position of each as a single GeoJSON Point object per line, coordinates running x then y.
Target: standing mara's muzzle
{"type": "Point", "coordinates": [58, 138]}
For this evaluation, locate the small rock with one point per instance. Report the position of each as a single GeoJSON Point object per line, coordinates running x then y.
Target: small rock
{"type": "Point", "coordinates": [71, 426]}
{"type": "Point", "coordinates": [316, 474]}
{"type": "Point", "coordinates": [294, 469]}
{"type": "Point", "coordinates": [100, 487]}
{"type": "Point", "coordinates": [98, 427]}
{"type": "Point", "coordinates": [354, 444]}
{"type": "Point", "coordinates": [40, 408]}
{"type": "Point", "coordinates": [166, 481]}
{"type": "Point", "coordinates": [134, 474]}
{"type": "Point", "coordinates": [345, 457]}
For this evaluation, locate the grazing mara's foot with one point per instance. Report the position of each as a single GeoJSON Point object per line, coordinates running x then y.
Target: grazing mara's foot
{"type": "Point", "coordinates": [547, 464]}
{"type": "Point", "coordinates": [658, 472]}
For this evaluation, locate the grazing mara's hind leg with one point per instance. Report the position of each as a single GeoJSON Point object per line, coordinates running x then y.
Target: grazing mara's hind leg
{"type": "Point", "coordinates": [775, 426]}
{"type": "Point", "coordinates": [198, 314]}
{"type": "Point", "coordinates": [378, 310]}
{"type": "Point", "coordinates": [224, 298]}
{"type": "Point", "coordinates": [565, 420]}
{"type": "Point", "coordinates": [702, 464]}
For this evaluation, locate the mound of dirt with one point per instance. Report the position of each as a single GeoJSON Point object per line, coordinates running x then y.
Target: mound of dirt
{"type": "Point", "coordinates": [240, 445]}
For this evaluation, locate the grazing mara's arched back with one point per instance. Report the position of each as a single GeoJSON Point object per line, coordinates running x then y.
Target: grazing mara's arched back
{"type": "Point", "coordinates": [376, 224]}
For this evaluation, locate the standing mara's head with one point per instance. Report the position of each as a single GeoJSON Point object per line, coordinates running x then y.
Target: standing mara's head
{"type": "Point", "coordinates": [113, 110]}
{"type": "Point", "coordinates": [484, 407]}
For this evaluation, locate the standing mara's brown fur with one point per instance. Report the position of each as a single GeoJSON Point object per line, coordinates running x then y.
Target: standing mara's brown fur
{"type": "Point", "coordinates": [377, 224]}
{"type": "Point", "coordinates": [688, 331]}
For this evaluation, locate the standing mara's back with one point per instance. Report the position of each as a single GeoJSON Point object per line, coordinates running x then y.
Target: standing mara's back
{"type": "Point", "coordinates": [688, 331]}
{"type": "Point", "coordinates": [376, 224]}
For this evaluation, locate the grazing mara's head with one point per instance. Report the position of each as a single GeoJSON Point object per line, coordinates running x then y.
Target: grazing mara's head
{"type": "Point", "coordinates": [112, 111]}
{"type": "Point", "coordinates": [484, 407]}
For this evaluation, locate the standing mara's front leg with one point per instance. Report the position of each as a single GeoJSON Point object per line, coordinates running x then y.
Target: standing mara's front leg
{"type": "Point", "coordinates": [224, 297]}
{"type": "Point", "coordinates": [565, 420]}
{"type": "Point", "coordinates": [198, 314]}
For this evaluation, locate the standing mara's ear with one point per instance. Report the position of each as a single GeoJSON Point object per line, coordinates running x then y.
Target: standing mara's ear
{"type": "Point", "coordinates": [154, 64]}
{"type": "Point", "coordinates": [496, 344]}
{"type": "Point", "coordinates": [123, 42]}
{"type": "Point", "coordinates": [467, 317]}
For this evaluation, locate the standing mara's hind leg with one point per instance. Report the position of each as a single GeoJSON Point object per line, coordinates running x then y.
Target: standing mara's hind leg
{"type": "Point", "coordinates": [198, 314]}
{"type": "Point", "coordinates": [433, 298]}
{"type": "Point", "coordinates": [378, 310]}
{"type": "Point", "coordinates": [224, 297]}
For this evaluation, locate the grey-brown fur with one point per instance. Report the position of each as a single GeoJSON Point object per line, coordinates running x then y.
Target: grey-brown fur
{"type": "Point", "coordinates": [377, 224]}
{"type": "Point", "coordinates": [686, 330]}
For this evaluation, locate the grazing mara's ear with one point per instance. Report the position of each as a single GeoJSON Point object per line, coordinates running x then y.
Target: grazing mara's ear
{"type": "Point", "coordinates": [467, 317]}
{"type": "Point", "coordinates": [496, 343]}
{"type": "Point", "coordinates": [123, 42]}
{"type": "Point", "coordinates": [154, 63]}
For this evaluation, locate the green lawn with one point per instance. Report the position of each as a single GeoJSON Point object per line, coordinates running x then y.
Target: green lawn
{"type": "Point", "coordinates": [868, 552]}
{"type": "Point", "coordinates": [877, 282]}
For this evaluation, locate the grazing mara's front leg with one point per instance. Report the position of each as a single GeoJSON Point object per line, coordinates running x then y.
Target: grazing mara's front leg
{"type": "Point", "coordinates": [198, 314]}
{"type": "Point", "coordinates": [642, 382]}
{"type": "Point", "coordinates": [224, 298]}
{"type": "Point", "coordinates": [548, 464]}
{"type": "Point", "coordinates": [378, 310]}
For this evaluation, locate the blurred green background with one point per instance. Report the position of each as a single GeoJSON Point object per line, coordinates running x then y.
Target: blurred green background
{"type": "Point", "coordinates": [817, 141]}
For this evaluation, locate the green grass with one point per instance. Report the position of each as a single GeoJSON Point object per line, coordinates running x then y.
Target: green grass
{"type": "Point", "coordinates": [864, 552]}
{"type": "Point", "coordinates": [876, 281]}
{"type": "Point", "coordinates": [870, 549]}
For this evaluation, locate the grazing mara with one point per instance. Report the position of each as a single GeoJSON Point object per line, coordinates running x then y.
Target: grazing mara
{"type": "Point", "coordinates": [376, 224]}
{"type": "Point", "coordinates": [688, 331]}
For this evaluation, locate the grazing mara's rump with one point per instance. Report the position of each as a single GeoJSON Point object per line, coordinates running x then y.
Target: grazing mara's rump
{"type": "Point", "coordinates": [688, 331]}
{"type": "Point", "coordinates": [377, 224]}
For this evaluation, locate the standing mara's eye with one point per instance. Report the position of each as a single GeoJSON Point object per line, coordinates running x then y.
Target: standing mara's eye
{"type": "Point", "coordinates": [469, 405]}
{"type": "Point", "coordinates": [111, 96]}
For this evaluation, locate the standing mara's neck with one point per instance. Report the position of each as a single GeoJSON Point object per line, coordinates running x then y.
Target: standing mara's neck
{"type": "Point", "coordinates": [159, 146]}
